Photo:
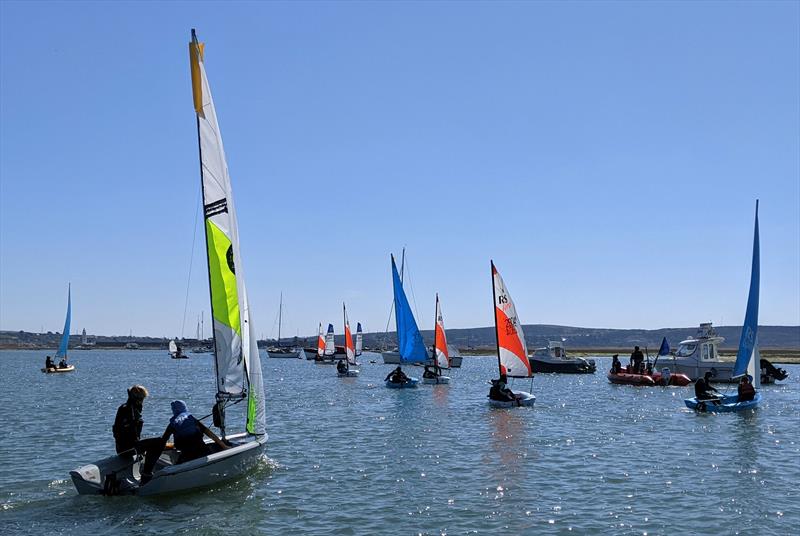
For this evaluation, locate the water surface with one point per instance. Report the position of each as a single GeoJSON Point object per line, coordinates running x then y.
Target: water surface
{"type": "Point", "coordinates": [348, 456]}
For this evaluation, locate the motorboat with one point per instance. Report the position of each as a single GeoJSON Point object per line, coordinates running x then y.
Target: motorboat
{"type": "Point", "coordinates": [554, 358]}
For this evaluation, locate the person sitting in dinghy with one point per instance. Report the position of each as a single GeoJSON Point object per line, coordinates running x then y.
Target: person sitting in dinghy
{"type": "Point", "coordinates": [62, 363]}
{"type": "Point", "coordinates": [703, 389]}
{"type": "Point", "coordinates": [746, 390]}
{"type": "Point", "coordinates": [429, 373]}
{"type": "Point", "coordinates": [500, 390]}
{"type": "Point", "coordinates": [397, 376]}
{"type": "Point", "coordinates": [48, 363]}
{"type": "Point", "coordinates": [341, 366]}
{"type": "Point", "coordinates": [188, 434]}
{"type": "Point", "coordinates": [616, 366]}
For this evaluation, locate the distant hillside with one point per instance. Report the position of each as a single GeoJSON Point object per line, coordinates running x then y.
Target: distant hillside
{"type": "Point", "coordinates": [536, 335]}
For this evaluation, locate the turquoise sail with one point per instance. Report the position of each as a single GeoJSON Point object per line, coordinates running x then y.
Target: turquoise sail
{"type": "Point", "coordinates": [62, 348]}
{"type": "Point", "coordinates": [409, 339]}
{"type": "Point", "coordinates": [749, 337]}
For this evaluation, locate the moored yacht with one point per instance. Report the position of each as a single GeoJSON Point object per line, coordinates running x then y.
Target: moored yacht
{"type": "Point", "coordinates": [553, 358]}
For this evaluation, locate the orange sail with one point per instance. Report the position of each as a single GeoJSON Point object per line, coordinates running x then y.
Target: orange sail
{"type": "Point", "coordinates": [512, 352]}
{"type": "Point", "coordinates": [348, 340]}
{"type": "Point", "coordinates": [320, 342]}
{"type": "Point", "coordinates": [440, 344]}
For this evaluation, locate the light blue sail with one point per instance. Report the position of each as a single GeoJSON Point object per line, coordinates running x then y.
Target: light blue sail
{"type": "Point", "coordinates": [62, 348]}
{"type": "Point", "coordinates": [409, 339]}
{"type": "Point", "coordinates": [750, 327]}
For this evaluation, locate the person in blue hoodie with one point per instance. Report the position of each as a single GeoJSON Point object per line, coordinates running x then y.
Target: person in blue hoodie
{"type": "Point", "coordinates": [188, 434]}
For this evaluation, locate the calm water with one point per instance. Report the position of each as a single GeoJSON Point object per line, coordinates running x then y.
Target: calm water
{"type": "Point", "coordinates": [348, 456]}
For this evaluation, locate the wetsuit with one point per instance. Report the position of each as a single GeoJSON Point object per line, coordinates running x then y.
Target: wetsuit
{"type": "Point", "coordinates": [127, 426]}
{"type": "Point", "coordinates": [704, 391]}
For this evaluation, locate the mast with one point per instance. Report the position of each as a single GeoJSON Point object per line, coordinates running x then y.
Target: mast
{"type": "Point", "coordinates": [280, 313]}
{"type": "Point", "coordinates": [346, 348]}
{"type": "Point", "coordinates": [494, 311]}
{"type": "Point", "coordinates": [435, 325]}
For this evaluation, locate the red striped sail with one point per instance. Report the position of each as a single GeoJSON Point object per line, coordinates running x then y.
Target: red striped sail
{"type": "Point", "coordinates": [440, 344]}
{"type": "Point", "coordinates": [348, 340]}
{"type": "Point", "coordinates": [512, 352]}
{"type": "Point", "coordinates": [320, 342]}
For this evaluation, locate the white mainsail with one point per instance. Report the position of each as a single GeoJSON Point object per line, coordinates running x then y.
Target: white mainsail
{"type": "Point", "coordinates": [238, 366]}
{"type": "Point", "coordinates": [173, 348]}
{"type": "Point", "coordinates": [359, 340]}
{"type": "Point", "coordinates": [330, 347]}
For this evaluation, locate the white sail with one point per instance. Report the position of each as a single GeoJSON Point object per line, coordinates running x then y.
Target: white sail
{"type": "Point", "coordinates": [320, 342]}
{"type": "Point", "coordinates": [359, 340]}
{"type": "Point", "coordinates": [238, 366]}
{"type": "Point", "coordinates": [349, 349]}
{"type": "Point", "coordinates": [173, 348]}
{"type": "Point", "coordinates": [330, 347]}
{"type": "Point", "coordinates": [754, 366]}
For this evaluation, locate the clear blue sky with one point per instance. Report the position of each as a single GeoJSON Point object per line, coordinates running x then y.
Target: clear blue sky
{"type": "Point", "coordinates": [607, 156]}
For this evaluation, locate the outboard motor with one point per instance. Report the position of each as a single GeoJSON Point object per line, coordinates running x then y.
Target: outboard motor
{"type": "Point", "coordinates": [665, 374]}
{"type": "Point", "coordinates": [769, 372]}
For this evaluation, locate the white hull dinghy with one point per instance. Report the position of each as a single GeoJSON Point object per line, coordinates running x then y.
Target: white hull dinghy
{"type": "Point", "coordinates": [441, 357]}
{"type": "Point", "coordinates": [63, 347]}
{"type": "Point", "coordinates": [56, 370]}
{"type": "Point", "coordinates": [438, 380]}
{"type": "Point", "coordinates": [512, 353]}
{"type": "Point", "coordinates": [350, 351]}
{"type": "Point", "coordinates": [237, 364]}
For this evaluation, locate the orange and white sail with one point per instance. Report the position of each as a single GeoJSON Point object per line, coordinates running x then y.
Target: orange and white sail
{"type": "Point", "coordinates": [511, 349]}
{"type": "Point", "coordinates": [348, 340]}
{"type": "Point", "coordinates": [440, 339]}
{"type": "Point", "coordinates": [320, 342]}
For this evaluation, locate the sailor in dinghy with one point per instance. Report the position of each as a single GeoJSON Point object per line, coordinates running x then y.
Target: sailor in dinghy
{"type": "Point", "coordinates": [237, 364]}
{"type": "Point", "coordinates": [512, 353]}
{"type": "Point", "coordinates": [433, 374]}
{"type": "Point", "coordinates": [344, 369]}
{"type": "Point", "coordinates": [409, 339]}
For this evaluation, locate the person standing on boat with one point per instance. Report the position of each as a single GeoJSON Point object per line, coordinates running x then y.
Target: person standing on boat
{"type": "Point", "coordinates": [703, 389]}
{"type": "Point", "coordinates": [637, 357]}
{"type": "Point", "coordinates": [128, 426]}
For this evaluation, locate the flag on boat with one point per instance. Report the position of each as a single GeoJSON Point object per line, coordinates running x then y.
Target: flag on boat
{"type": "Point", "coordinates": [440, 340]}
{"type": "Point", "coordinates": [238, 366]}
{"type": "Point", "coordinates": [664, 350]}
{"type": "Point", "coordinates": [512, 351]}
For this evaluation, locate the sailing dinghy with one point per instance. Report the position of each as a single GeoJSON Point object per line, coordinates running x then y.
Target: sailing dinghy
{"type": "Point", "coordinates": [441, 359]}
{"type": "Point", "coordinates": [409, 340]}
{"type": "Point", "coordinates": [328, 350]}
{"type": "Point", "coordinates": [238, 367]}
{"type": "Point", "coordinates": [748, 359]}
{"type": "Point", "coordinates": [61, 353]}
{"type": "Point", "coordinates": [344, 368]}
{"type": "Point", "coordinates": [512, 353]}
{"type": "Point", "coordinates": [175, 351]}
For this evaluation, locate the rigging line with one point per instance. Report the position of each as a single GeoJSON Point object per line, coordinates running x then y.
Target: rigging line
{"type": "Point", "coordinates": [413, 297]}
{"type": "Point", "coordinates": [191, 260]}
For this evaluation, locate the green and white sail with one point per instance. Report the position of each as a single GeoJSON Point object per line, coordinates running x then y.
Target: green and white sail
{"type": "Point", "coordinates": [238, 366]}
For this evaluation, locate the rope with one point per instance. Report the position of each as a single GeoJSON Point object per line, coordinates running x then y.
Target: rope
{"type": "Point", "coordinates": [191, 260]}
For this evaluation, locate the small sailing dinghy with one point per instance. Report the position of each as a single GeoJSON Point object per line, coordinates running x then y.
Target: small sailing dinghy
{"type": "Point", "coordinates": [61, 353]}
{"type": "Point", "coordinates": [411, 348]}
{"type": "Point", "coordinates": [441, 360]}
{"type": "Point", "coordinates": [175, 351]}
{"type": "Point", "coordinates": [328, 350]}
{"type": "Point", "coordinates": [748, 359]}
{"type": "Point", "coordinates": [238, 367]}
{"type": "Point", "coordinates": [344, 366]}
{"type": "Point", "coordinates": [512, 353]}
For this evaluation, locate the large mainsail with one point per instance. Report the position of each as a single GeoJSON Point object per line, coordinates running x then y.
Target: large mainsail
{"type": "Point", "coordinates": [330, 346]}
{"type": "Point", "coordinates": [237, 363]}
{"type": "Point", "coordinates": [64, 345]}
{"type": "Point", "coordinates": [320, 342]}
{"type": "Point", "coordinates": [440, 339]}
{"type": "Point", "coordinates": [359, 339]}
{"type": "Point", "coordinates": [512, 353]}
{"type": "Point", "coordinates": [348, 340]}
{"type": "Point", "coordinates": [748, 343]}
{"type": "Point", "coordinates": [409, 339]}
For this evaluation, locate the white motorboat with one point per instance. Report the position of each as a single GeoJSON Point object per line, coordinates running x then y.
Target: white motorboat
{"type": "Point", "coordinates": [238, 367]}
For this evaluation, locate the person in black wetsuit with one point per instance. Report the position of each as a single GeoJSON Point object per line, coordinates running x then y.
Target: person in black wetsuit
{"type": "Point", "coordinates": [48, 363]}
{"type": "Point", "coordinates": [703, 389]}
{"type": "Point", "coordinates": [341, 366]}
{"type": "Point", "coordinates": [500, 390]}
{"type": "Point", "coordinates": [616, 366]}
{"type": "Point", "coordinates": [128, 423]}
{"type": "Point", "coordinates": [429, 373]}
{"type": "Point", "coordinates": [396, 376]}
{"type": "Point", "coordinates": [637, 357]}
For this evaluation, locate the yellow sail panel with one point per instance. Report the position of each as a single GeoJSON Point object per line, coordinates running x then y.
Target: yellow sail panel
{"type": "Point", "coordinates": [224, 295]}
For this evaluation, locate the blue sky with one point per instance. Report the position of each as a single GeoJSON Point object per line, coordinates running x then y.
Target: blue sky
{"type": "Point", "coordinates": [607, 156]}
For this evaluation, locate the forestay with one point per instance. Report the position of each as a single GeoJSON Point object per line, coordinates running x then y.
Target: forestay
{"type": "Point", "coordinates": [237, 363]}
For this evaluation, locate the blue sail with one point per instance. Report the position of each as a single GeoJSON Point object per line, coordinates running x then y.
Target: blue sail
{"type": "Point", "coordinates": [750, 327]}
{"type": "Point", "coordinates": [664, 350]}
{"type": "Point", "coordinates": [409, 339]}
{"type": "Point", "coordinates": [62, 348]}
